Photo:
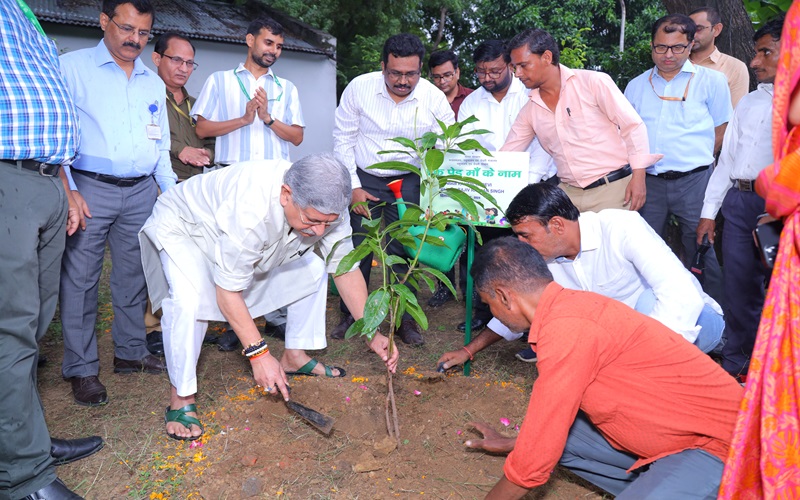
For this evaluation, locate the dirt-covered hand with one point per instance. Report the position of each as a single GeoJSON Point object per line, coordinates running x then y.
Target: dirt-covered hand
{"type": "Point", "coordinates": [492, 441]}
{"type": "Point", "coordinates": [269, 374]}
{"type": "Point", "coordinates": [453, 358]}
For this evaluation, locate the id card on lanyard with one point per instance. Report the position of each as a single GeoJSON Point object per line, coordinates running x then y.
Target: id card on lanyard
{"type": "Point", "coordinates": [153, 130]}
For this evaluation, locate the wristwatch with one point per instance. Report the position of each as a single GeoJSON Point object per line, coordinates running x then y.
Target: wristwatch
{"type": "Point", "coordinates": [270, 122]}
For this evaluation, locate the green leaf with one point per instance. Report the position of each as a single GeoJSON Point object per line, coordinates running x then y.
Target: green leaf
{"type": "Point", "coordinates": [413, 213]}
{"type": "Point", "coordinates": [395, 165]}
{"type": "Point", "coordinates": [404, 141]}
{"type": "Point", "coordinates": [427, 279]}
{"type": "Point", "coordinates": [434, 159]}
{"type": "Point", "coordinates": [392, 260]}
{"type": "Point", "coordinates": [477, 131]}
{"type": "Point", "coordinates": [356, 327]}
{"type": "Point", "coordinates": [396, 151]}
{"type": "Point", "coordinates": [371, 223]}
{"type": "Point", "coordinates": [416, 312]}
{"type": "Point", "coordinates": [376, 309]}
{"type": "Point", "coordinates": [352, 259]}
{"type": "Point", "coordinates": [405, 294]}
{"type": "Point", "coordinates": [464, 200]}
{"type": "Point", "coordinates": [428, 140]}
{"type": "Point", "coordinates": [469, 120]}
{"type": "Point", "coordinates": [470, 144]}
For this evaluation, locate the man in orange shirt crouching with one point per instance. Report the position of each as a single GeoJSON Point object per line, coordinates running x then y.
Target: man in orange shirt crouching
{"type": "Point", "coordinates": [620, 400]}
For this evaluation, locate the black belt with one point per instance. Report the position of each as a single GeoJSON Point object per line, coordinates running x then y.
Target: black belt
{"type": "Point", "coordinates": [671, 175]}
{"type": "Point", "coordinates": [746, 185]}
{"type": "Point", "coordinates": [45, 169]}
{"type": "Point", "coordinates": [110, 179]}
{"type": "Point", "coordinates": [610, 177]}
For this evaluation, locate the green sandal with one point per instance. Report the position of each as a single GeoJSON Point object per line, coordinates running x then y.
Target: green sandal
{"type": "Point", "coordinates": [307, 368]}
{"type": "Point", "coordinates": [182, 418]}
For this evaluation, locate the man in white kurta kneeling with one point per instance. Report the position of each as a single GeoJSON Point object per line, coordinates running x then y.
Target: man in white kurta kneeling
{"type": "Point", "coordinates": [238, 243]}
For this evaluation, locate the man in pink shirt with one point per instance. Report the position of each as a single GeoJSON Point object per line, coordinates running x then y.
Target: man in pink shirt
{"type": "Point", "coordinates": [597, 139]}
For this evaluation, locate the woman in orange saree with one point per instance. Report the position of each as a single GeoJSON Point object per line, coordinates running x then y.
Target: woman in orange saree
{"type": "Point", "coordinates": [764, 460]}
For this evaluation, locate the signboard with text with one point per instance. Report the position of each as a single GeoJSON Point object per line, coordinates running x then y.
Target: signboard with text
{"type": "Point", "coordinates": [504, 173]}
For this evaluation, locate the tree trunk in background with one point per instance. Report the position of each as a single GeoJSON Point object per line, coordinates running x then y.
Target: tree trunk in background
{"type": "Point", "coordinates": [736, 38]}
{"type": "Point", "coordinates": [622, 26]}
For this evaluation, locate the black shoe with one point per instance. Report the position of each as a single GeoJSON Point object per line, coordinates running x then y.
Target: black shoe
{"type": "Point", "coordinates": [155, 343]}
{"type": "Point", "coordinates": [409, 333]}
{"type": "Point", "coordinates": [526, 355]}
{"type": "Point", "coordinates": [148, 364]}
{"type": "Point", "coordinates": [89, 391]}
{"type": "Point", "coordinates": [54, 491]}
{"type": "Point", "coordinates": [276, 332]}
{"type": "Point", "coordinates": [228, 341]}
{"type": "Point", "coordinates": [65, 451]}
{"type": "Point", "coordinates": [442, 296]}
{"type": "Point", "coordinates": [41, 361]}
{"type": "Point", "coordinates": [477, 324]}
{"type": "Point", "coordinates": [341, 328]}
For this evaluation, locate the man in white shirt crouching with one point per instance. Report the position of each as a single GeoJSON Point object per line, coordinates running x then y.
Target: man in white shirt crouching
{"type": "Point", "coordinates": [614, 253]}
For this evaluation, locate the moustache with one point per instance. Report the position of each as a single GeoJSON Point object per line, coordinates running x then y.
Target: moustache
{"type": "Point", "coordinates": [133, 45]}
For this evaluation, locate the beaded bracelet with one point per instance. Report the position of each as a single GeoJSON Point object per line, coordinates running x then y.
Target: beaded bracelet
{"type": "Point", "coordinates": [251, 358]}
{"type": "Point", "coordinates": [257, 351]}
{"type": "Point", "coordinates": [254, 347]}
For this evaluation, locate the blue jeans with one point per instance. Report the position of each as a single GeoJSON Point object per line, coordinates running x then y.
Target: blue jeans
{"type": "Point", "coordinates": [710, 322]}
{"type": "Point", "coordinates": [688, 474]}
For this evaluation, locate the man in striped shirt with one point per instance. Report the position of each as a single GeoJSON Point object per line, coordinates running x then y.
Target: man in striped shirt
{"type": "Point", "coordinates": [374, 108]}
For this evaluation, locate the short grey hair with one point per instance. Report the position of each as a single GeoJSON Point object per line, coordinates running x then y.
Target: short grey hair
{"type": "Point", "coordinates": [321, 182]}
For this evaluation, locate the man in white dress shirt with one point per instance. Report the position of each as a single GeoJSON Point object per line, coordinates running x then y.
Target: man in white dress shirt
{"type": "Point", "coordinates": [234, 244]}
{"type": "Point", "coordinates": [746, 150]}
{"type": "Point", "coordinates": [374, 108]}
{"type": "Point", "coordinates": [614, 253]}
{"type": "Point", "coordinates": [496, 104]}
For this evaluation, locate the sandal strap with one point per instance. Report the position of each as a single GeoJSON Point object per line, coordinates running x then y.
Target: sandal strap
{"type": "Point", "coordinates": [308, 368]}
{"type": "Point", "coordinates": [182, 418]}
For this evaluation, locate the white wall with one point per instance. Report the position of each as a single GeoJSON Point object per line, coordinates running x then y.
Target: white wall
{"type": "Point", "coordinates": [313, 74]}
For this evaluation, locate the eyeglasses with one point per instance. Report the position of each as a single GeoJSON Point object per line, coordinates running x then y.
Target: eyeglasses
{"type": "Point", "coordinates": [443, 77]}
{"type": "Point", "coordinates": [396, 75]}
{"type": "Point", "coordinates": [669, 98]}
{"type": "Point", "coordinates": [701, 28]}
{"type": "Point", "coordinates": [180, 62]}
{"type": "Point", "coordinates": [676, 49]}
{"type": "Point", "coordinates": [130, 30]}
{"type": "Point", "coordinates": [307, 222]}
{"type": "Point", "coordinates": [492, 73]}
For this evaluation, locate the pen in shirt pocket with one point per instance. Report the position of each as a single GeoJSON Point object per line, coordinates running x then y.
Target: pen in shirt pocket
{"type": "Point", "coordinates": [569, 113]}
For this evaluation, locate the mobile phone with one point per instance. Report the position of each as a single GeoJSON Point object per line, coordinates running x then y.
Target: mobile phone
{"type": "Point", "coordinates": [767, 238]}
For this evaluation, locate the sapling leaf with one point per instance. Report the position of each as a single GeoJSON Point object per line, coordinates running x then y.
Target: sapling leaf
{"type": "Point", "coordinates": [428, 140]}
{"type": "Point", "coordinates": [352, 259]}
{"type": "Point", "coordinates": [427, 279]}
{"type": "Point", "coordinates": [416, 312]}
{"type": "Point", "coordinates": [395, 165]}
{"type": "Point", "coordinates": [392, 260]}
{"type": "Point", "coordinates": [434, 159]}
{"type": "Point", "coordinates": [376, 309]}
{"type": "Point", "coordinates": [404, 141]}
{"type": "Point", "coordinates": [464, 200]}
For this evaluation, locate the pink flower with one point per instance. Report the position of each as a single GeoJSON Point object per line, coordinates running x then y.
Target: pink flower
{"type": "Point", "coordinates": [195, 444]}
{"type": "Point", "coordinates": [506, 422]}
{"type": "Point", "coordinates": [347, 398]}
{"type": "Point", "coordinates": [416, 392]}
{"type": "Point", "coordinates": [458, 432]}
{"type": "Point", "coordinates": [248, 428]}
{"type": "Point", "coordinates": [363, 387]}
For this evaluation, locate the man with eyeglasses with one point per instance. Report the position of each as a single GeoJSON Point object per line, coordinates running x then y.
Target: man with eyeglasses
{"type": "Point", "coordinates": [237, 243]}
{"type": "Point", "coordinates": [173, 56]}
{"type": "Point", "coordinates": [254, 114]}
{"type": "Point", "coordinates": [686, 108]}
{"type": "Point", "coordinates": [123, 160]}
{"type": "Point", "coordinates": [374, 108]}
{"type": "Point", "coordinates": [445, 73]}
{"type": "Point", "coordinates": [705, 52]}
{"type": "Point", "coordinates": [583, 121]}
{"type": "Point", "coordinates": [496, 104]}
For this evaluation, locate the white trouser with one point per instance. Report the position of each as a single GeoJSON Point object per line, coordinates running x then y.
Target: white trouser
{"type": "Point", "coordinates": [183, 332]}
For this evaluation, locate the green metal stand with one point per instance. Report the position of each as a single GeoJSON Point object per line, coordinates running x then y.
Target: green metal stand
{"type": "Point", "coordinates": [468, 306]}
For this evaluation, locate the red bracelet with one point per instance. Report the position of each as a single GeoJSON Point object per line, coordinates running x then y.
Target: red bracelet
{"type": "Point", "coordinates": [251, 358]}
{"type": "Point", "coordinates": [470, 354]}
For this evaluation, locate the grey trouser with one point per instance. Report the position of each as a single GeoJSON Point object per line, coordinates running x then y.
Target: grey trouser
{"type": "Point", "coordinates": [688, 474]}
{"type": "Point", "coordinates": [33, 211]}
{"type": "Point", "coordinates": [683, 198]}
{"type": "Point", "coordinates": [118, 213]}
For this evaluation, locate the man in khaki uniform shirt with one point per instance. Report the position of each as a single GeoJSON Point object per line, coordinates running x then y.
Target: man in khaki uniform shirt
{"type": "Point", "coordinates": [705, 52]}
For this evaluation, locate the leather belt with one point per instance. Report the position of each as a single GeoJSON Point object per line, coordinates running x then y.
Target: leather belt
{"type": "Point", "coordinates": [746, 185]}
{"type": "Point", "coordinates": [45, 169]}
{"type": "Point", "coordinates": [671, 175]}
{"type": "Point", "coordinates": [610, 177]}
{"type": "Point", "coordinates": [110, 179]}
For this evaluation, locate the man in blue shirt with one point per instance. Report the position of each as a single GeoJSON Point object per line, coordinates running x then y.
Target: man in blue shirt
{"type": "Point", "coordinates": [125, 145]}
{"type": "Point", "coordinates": [686, 108]}
{"type": "Point", "coordinates": [38, 133]}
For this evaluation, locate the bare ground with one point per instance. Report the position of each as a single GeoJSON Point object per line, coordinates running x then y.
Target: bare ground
{"type": "Point", "coordinates": [255, 448]}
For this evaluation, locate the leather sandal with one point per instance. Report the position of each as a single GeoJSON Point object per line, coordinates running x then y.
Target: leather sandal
{"type": "Point", "coordinates": [307, 368]}
{"type": "Point", "coordinates": [185, 420]}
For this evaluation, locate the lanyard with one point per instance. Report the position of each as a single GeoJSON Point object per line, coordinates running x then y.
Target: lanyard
{"type": "Point", "coordinates": [180, 111]}
{"type": "Point", "coordinates": [244, 90]}
{"type": "Point", "coordinates": [30, 15]}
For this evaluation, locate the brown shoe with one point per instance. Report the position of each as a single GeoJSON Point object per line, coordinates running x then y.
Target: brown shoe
{"type": "Point", "coordinates": [88, 391]}
{"type": "Point", "coordinates": [341, 328]}
{"type": "Point", "coordinates": [409, 333]}
{"type": "Point", "coordinates": [149, 364]}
